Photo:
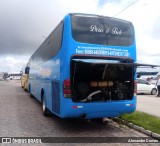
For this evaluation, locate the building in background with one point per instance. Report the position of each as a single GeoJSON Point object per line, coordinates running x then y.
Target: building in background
{"type": "Point", "coordinates": [3, 75]}
{"type": "Point", "coordinates": [15, 76]}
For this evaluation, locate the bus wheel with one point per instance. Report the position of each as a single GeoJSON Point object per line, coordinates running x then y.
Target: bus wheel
{"type": "Point", "coordinates": [44, 108]}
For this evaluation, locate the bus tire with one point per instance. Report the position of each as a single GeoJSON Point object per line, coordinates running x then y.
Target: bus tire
{"type": "Point", "coordinates": [44, 108]}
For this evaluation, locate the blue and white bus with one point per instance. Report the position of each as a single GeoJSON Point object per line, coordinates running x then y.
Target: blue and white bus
{"type": "Point", "coordinates": [84, 68]}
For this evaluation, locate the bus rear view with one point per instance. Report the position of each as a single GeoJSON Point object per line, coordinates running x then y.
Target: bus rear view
{"type": "Point", "coordinates": [84, 68]}
{"type": "Point", "coordinates": [102, 79]}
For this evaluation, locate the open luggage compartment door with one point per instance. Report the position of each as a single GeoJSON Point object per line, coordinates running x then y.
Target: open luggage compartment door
{"type": "Point", "coordinates": [96, 79]}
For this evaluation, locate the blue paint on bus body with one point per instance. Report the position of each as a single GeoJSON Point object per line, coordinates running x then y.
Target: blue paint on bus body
{"type": "Point", "coordinates": [47, 78]}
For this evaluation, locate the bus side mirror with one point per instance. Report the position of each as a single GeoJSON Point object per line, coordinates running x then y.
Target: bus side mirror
{"type": "Point", "coordinates": [27, 70]}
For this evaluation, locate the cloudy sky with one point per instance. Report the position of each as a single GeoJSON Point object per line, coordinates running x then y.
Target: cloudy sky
{"type": "Point", "coordinates": [24, 24]}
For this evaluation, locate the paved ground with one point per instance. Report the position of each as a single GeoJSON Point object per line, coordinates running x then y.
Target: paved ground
{"type": "Point", "coordinates": [21, 115]}
{"type": "Point", "coordinates": [149, 104]}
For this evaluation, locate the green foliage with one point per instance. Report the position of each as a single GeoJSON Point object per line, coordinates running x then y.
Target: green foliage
{"type": "Point", "coordinates": [144, 120]}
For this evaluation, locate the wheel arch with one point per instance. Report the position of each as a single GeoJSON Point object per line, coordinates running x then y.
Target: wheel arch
{"type": "Point", "coordinates": [152, 91]}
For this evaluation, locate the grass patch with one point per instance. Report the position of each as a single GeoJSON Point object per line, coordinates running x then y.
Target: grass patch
{"type": "Point", "coordinates": [144, 120]}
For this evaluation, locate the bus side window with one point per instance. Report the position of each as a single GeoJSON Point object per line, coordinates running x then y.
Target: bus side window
{"type": "Point", "coordinates": [56, 37]}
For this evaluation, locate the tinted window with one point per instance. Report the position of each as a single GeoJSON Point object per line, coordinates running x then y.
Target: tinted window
{"type": "Point", "coordinates": [102, 30]}
{"type": "Point", "coordinates": [49, 47]}
{"type": "Point", "coordinates": [142, 81]}
{"type": "Point", "coordinates": [56, 37]}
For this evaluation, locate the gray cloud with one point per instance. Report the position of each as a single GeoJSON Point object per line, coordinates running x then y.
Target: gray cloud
{"type": "Point", "coordinates": [22, 25]}
{"type": "Point", "coordinates": [24, 22]}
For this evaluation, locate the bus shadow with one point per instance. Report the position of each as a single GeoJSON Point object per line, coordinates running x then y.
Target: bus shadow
{"type": "Point", "coordinates": [78, 125]}
{"type": "Point", "coordinates": [82, 125]}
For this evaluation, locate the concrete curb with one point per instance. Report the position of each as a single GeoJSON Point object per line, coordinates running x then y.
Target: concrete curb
{"type": "Point", "coordinates": [138, 128]}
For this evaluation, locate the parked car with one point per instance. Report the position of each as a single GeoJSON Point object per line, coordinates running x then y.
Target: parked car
{"type": "Point", "coordinates": [154, 80]}
{"type": "Point", "coordinates": [145, 87]}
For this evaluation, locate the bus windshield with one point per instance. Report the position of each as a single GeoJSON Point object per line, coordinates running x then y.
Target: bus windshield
{"type": "Point", "coordinates": [102, 30]}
